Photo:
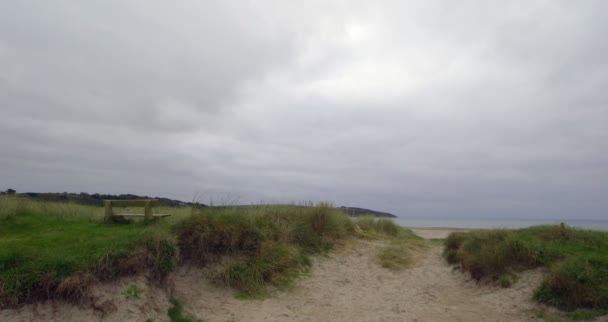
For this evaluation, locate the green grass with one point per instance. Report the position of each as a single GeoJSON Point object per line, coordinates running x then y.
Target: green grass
{"type": "Point", "coordinates": [374, 228]}
{"type": "Point", "coordinates": [402, 243]}
{"type": "Point", "coordinates": [560, 316]}
{"type": "Point", "coordinates": [576, 261]}
{"type": "Point", "coordinates": [585, 315]}
{"type": "Point", "coordinates": [132, 292]}
{"type": "Point", "coordinates": [506, 280]}
{"type": "Point", "coordinates": [52, 250]}
{"type": "Point", "coordinates": [395, 257]}
{"type": "Point", "coordinates": [176, 313]}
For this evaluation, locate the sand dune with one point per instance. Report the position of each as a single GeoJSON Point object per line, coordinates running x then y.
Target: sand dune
{"type": "Point", "coordinates": [346, 285]}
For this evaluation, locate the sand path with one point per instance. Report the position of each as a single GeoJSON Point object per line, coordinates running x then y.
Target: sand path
{"type": "Point", "coordinates": [349, 285]}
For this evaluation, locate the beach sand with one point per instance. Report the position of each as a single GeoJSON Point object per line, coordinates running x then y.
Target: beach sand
{"type": "Point", "coordinates": [436, 232]}
{"type": "Point", "coordinates": [346, 285]}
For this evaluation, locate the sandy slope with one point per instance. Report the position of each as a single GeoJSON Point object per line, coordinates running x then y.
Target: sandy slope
{"type": "Point", "coordinates": [110, 304]}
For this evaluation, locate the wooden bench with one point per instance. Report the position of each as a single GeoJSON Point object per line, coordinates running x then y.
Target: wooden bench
{"type": "Point", "coordinates": [146, 204]}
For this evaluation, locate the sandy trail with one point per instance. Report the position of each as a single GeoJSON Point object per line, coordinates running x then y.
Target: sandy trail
{"type": "Point", "coordinates": [349, 285]}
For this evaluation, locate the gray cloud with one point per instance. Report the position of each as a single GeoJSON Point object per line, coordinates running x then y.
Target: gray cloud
{"type": "Point", "coordinates": [422, 108]}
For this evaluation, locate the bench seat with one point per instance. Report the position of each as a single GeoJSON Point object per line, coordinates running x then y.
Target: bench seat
{"type": "Point", "coordinates": [145, 203]}
{"type": "Point", "coordinates": [141, 215]}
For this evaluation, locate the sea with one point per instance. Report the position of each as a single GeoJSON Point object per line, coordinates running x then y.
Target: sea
{"type": "Point", "coordinates": [509, 223]}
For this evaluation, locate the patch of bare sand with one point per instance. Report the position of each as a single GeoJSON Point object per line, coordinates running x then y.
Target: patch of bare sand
{"type": "Point", "coordinates": [110, 304]}
{"type": "Point", "coordinates": [349, 285]}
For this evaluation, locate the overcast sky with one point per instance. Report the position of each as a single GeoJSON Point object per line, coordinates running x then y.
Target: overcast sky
{"type": "Point", "coordinates": [419, 108]}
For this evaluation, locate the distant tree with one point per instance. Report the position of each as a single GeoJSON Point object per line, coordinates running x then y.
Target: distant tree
{"type": "Point", "coordinates": [10, 191]}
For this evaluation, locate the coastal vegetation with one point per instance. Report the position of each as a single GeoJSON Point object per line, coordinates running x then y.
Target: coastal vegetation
{"type": "Point", "coordinates": [402, 245]}
{"type": "Point", "coordinates": [57, 250]}
{"type": "Point", "coordinates": [176, 313]}
{"type": "Point", "coordinates": [574, 261]}
{"type": "Point", "coordinates": [253, 247]}
{"type": "Point", "coordinates": [52, 250]}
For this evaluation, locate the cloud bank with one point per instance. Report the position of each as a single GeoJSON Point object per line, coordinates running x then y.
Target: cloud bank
{"type": "Point", "coordinates": [420, 108]}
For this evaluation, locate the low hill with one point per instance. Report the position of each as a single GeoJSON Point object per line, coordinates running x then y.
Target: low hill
{"type": "Point", "coordinates": [358, 212]}
{"type": "Point", "coordinates": [350, 211]}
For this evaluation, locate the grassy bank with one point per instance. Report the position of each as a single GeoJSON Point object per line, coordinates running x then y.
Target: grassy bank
{"type": "Point", "coordinates": [54, 250]}
{"type": "Point", "coordinates": [57, 250]}
{"type": "Point", "coordinates": [576, 261]}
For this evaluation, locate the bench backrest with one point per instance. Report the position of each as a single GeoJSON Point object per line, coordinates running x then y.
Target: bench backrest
{"type": "Point", "coordinates": [133, 203]}
{"type": "Point", "coordinates": [147, 204]}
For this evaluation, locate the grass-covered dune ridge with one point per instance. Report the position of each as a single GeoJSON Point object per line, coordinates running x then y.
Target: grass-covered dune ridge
{"type": "Point", "coordinates": [576, 261]}
{"type": "Point", "coordinates": [57, 250]}
{"type": "Point", "coordinates": [271, 245]}
{"type": "Point", "coordinates": [260, 245]}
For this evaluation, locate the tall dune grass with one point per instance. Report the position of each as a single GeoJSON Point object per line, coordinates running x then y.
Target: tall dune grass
{"type": "Point", "coordinates": [576, 259]}
{"type": "Point", "coordinates": [261, 245]}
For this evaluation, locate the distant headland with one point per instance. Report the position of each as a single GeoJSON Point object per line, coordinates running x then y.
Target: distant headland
{"type": "Point", "coordinates": [358, 212]}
